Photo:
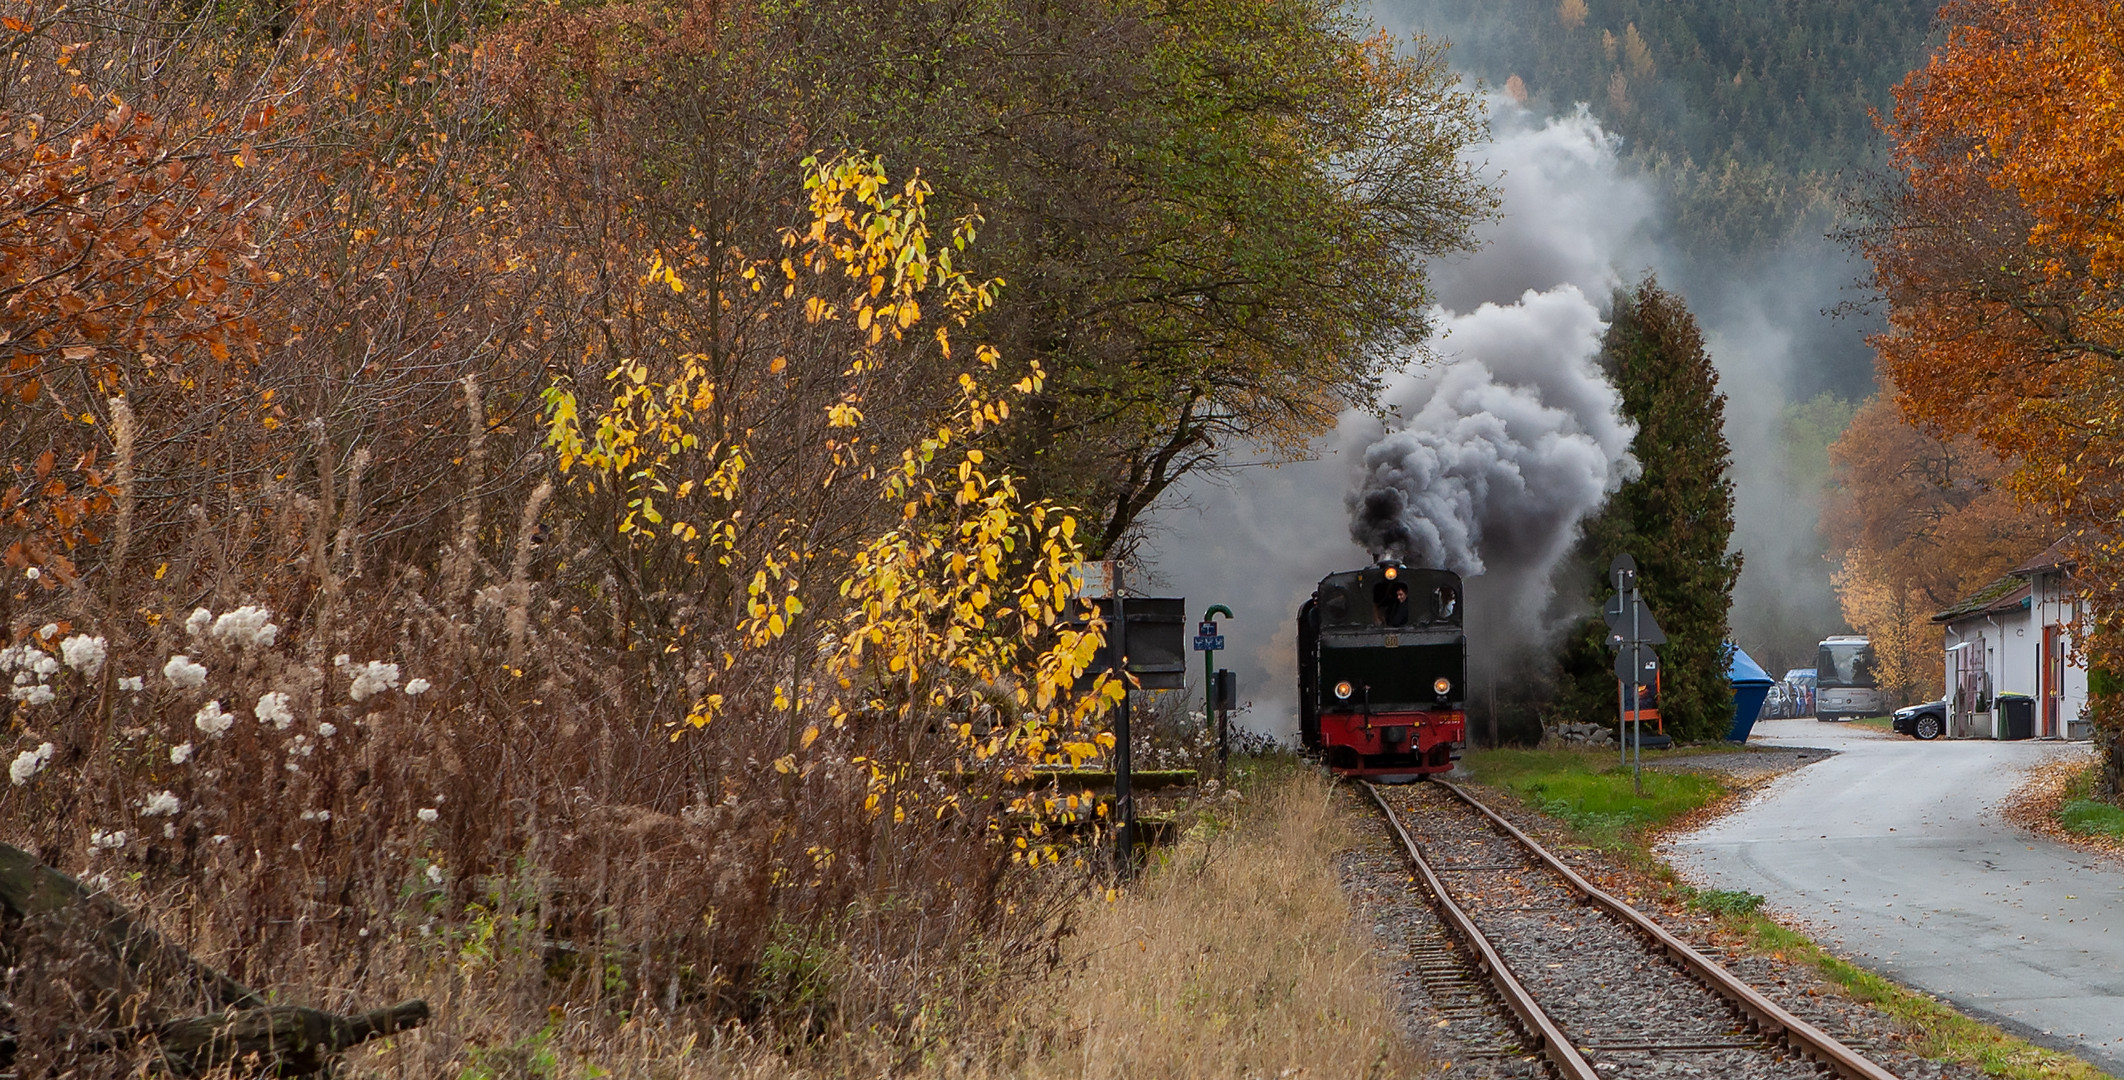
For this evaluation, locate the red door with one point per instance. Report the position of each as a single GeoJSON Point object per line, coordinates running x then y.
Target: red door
{"type": "Point", "coordinates": [2051, 681]}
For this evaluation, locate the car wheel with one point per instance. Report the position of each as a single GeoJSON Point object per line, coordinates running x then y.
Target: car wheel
{"type": "Point", "coordinates": [1928, 726]}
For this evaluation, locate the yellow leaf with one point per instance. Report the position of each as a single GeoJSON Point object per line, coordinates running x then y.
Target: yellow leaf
{"type": "Point", "coordinates": [811, 735]}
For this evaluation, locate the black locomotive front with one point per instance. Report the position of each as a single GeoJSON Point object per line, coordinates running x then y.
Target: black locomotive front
{"type": "Point", "coordinates": [1382, 671]}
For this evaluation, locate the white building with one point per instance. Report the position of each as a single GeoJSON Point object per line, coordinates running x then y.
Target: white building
{"type": "Point", "coordinates": [2013, 638]}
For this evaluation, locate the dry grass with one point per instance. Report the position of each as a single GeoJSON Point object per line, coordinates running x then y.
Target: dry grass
{"type": "Point", "coordinates": [1236, 957]}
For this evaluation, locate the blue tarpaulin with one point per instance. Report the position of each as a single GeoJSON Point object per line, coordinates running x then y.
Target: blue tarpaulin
{"type": "Point", "coordinates": [1751, 684]}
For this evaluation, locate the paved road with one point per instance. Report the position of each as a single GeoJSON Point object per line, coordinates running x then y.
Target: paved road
{"type": "Point", "coordinates": [1893, 852]}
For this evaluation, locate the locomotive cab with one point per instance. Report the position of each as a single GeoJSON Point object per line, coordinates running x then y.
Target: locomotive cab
{"type": "Point", "coordinates": [1382, 671]}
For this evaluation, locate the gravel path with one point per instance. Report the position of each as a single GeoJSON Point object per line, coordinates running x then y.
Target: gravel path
{"type": "Point", "coordinates": [1572, 950]}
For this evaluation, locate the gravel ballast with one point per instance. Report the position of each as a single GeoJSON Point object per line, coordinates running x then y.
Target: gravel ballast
{"type": "Point", "coordinates": [1573, 959]}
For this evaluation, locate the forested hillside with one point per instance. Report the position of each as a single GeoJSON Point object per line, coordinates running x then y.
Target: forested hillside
{"type": "Point", "coordinates": [1747, 111]}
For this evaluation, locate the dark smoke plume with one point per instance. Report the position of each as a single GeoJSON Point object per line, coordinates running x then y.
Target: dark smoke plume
{"type": "Point", "coordinates": [1501, 453]}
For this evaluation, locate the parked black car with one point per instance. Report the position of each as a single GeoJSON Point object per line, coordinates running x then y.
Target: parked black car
{"type": "Point", "coordinates": [1927, 721]}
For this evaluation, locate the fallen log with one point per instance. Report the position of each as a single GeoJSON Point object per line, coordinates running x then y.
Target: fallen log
{"type": "Point", "coordinates": [283, 1040]}
{"type": "Point", "coordinates": [129, 970]}
{"type": "Point", "coordinates": [129, 958]}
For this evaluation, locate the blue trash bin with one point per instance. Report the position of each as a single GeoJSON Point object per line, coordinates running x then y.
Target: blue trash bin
{"type": "Point", "coordinates": [1751, 684]}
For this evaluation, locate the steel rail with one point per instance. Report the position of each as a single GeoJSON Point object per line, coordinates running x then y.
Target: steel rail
{"type": "Point", "coordinates": [1770, 1018]}
{"type": "Point", "coordinates": [1554, 1044]}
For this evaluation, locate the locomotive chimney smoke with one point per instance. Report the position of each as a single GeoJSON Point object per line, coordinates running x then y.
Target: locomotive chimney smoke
{"type": "Point", "coordinates": [1494, 457]}
{"type": "Point", "coordinates": [1515, 382]}
{"type": "Point", "coordinates": [1500, 453]}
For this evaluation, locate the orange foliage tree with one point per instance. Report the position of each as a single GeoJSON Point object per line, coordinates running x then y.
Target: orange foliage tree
{"type": "Point", "coordinates": [1999, 254]}
{"type": "Point", "coordinates": [1918, 522]}
{"type": "Point", "coordinates": [125, 241]}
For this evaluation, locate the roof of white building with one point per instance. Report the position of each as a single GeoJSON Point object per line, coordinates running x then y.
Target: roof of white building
{"type": "Point", "coordinates": [2009, 593]}
{"type": "Point", "coordinates": [2052, 558]}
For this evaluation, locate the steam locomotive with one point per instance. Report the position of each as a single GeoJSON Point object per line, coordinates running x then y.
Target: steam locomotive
{"type": "Point", "coordinates": [1382, 672]}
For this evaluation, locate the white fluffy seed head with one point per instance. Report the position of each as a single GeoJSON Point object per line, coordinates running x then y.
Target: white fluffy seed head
{"type": "Point", "coordinates": [212, 720]}
{"type": "Point", "coordinates": [183, 673]}
{"type": "Point", "coordinates": [372, 678]}
{"type": "Point", "coordinates": [84, 653]}
{"type": "Point", "coordinates": [29, 763]}
{"type": "Point", "coordinates": [273, 708]}
{"type": "Point", "coordinates": [248, 625]}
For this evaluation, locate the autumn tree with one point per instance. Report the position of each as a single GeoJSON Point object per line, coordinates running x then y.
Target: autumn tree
{"type": "Point", "coordinates": [1998, 255]}
{"type": "Point", "coordinates": [1675, 519]}
{"type": "Point", "coordinates": [1211, 220]}
{"type": "Point", "coordinates": [127, 248]}
{"type": "Point", "coordinates": [1917, 523]}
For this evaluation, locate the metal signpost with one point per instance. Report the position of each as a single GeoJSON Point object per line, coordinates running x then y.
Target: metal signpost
{"type": "Point", "coordinates": [1142, 650]}
{"type": "Point", "coordinates": [1124, 794]}
{"type": "Point", "coordinates": [1209, 639]}
{"type": "Point", "coordinates": [1633, 632]}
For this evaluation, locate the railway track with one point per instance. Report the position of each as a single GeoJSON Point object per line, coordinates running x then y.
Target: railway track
{"type": "Point", "coordinates": [1593, 986]}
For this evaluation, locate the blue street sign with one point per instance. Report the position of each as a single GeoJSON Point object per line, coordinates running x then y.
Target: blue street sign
{"type": "Point", "coordinates": [1209, 642]}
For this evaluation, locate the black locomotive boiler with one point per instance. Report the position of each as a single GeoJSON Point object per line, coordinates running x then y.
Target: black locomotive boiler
{"type": "Point", "coordinates": [1382, 671]}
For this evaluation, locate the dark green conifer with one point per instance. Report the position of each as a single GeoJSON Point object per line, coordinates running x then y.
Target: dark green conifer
{"type": "Point", "coordinates": [1675, 519]}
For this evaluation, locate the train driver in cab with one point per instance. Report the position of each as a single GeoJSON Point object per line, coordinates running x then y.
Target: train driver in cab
{"type": "Point", "coordinates": [1396, 611]}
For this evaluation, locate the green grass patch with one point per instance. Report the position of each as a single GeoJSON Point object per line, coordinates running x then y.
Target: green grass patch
{"type": "Point", "coordinates": [1591, 791]}
{"type": "Point", "coordinates": [1941, 1033]}
{"type": "Point", "coordinates": [1882, 723]}
{"type": "Point", "coordinates": [2087, 817]}
{"type": "Point", "coordinates": [1726, 901]}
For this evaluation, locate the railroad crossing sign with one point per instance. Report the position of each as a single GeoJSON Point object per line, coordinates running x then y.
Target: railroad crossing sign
{"type": "Point", "coordinates": [1207, 639]}
{"type": "Point", "coordinates": [1618, 619]}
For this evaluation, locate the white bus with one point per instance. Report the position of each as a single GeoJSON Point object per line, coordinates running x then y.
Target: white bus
{"type": "Point", "coordinates": [1844, 684]}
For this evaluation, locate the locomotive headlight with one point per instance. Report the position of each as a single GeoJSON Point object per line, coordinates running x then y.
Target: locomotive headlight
{"type": "Point", "coordinates": [1392, 573]}
{"type": "Point", "coordinates": [1442, 685]}
{"type": "Point", "coordinates": [1343, 690]}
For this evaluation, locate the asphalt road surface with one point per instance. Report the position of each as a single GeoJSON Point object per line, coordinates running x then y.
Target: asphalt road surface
{"type": "Point", "coordinates": [1893, 852]}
